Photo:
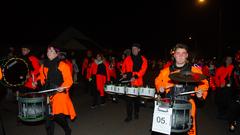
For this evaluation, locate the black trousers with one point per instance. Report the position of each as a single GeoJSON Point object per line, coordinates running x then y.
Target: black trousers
{"type": "Point", "coordinates": [132, 105]}
{"type": "Point", "coordinates": [234, 110]}
{"type": "Point", "coordinates": [60, 119]}
{"type": "Point", "coordinates": [222, 99]}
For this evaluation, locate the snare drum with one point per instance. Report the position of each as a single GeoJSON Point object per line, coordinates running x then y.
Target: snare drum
{"type": "Point", "coordinates": [181, 115]}
{"type": "Point", "coordinates": [31, 108]}
{"type": "Point", "coordinates": [132, 91]}
{"type": "Point", "coordinates": [110, 89]}
{"type": "Point", "coordinates": [147, 92]}
{"type": "Point", "coordinates": [120, 90]}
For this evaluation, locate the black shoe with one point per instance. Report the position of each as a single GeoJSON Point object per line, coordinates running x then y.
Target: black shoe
{"type": "Point", "coordinates": [93, 106]}
{"type": "Point", "coordinates": [114, 100]}
{"type": "Point", "coordinates": [102, 104]}
{"type": "Point", "coordinates": [232, 128]}
{"type": "Point", "coordinates": [128, 119]}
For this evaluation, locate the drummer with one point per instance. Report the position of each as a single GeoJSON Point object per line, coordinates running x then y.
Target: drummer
{"type": "Point", "coordinates": [133, 68]}
{"type": "Point", "coordinates": [165, 85]}
{"type": "Point", "coordinates": [33, 65]}
{"type": "Point", "coordinates": [55, 73]}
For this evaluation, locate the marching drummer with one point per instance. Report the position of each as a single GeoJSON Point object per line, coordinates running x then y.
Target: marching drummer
{"type": "Point", "coordinates": [55, 73]}
{"type": "Point", "coordinates": [166, 85]}
{"type": "Point", "coordinates": [33, 65]}
{"type": "Point", "coordinates": [133, 68]}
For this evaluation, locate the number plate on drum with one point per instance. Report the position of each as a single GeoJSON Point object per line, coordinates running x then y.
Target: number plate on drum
{"type": "Point", "coordinates": [162, 119]}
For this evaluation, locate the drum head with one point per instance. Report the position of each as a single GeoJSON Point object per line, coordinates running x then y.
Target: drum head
{"type": "Point", "coordinates": [15, 72]}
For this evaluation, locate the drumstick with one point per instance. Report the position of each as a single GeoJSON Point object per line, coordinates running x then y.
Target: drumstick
{"type": "Point", "coordinates": [189, 92]}
{"type": "Point", "coordinates": [45, 91]}
{"type": "Point", "coordinates": [121, 79]}
{"type": "Point", "coordinates": [126, 81]}
{"type": "Point", "coordinates": [49, 90]}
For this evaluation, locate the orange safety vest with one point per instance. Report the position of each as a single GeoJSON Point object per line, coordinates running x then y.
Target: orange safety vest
{"type": "Point", "coordinates": [223, 73]}
{"type": "Point", "coordinates": [86, 67]}
{"type": "Point", "coordinates": [100, 79]}
{"type": "Point", "coordinates": [34, 73]}
{"type": "Point", "coordinates": [70, 65]}
{"type": "Point", "coordinates": [60, 102]}
{"type": "Point", "coordinates": [127, 66]}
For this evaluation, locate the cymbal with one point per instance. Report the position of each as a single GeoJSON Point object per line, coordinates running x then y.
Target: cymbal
{"type": "Point", "coordinates": [187, 76]}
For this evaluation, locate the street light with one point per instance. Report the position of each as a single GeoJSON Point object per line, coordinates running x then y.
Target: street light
{"type": "Point", "coordinates": [201, 1]}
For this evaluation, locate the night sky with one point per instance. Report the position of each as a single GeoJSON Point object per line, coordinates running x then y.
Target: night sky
{"type": "Point", "coordinates": [119, 24]}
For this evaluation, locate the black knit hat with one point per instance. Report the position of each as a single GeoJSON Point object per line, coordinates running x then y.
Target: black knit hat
{"type": "Point", "coordinates": [28, 46]}
{"type": "Point", "coordinates": [136, 45]}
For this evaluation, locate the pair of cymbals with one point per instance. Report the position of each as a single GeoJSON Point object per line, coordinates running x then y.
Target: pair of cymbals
{"type": "Point", "coordinates": [187, 76]}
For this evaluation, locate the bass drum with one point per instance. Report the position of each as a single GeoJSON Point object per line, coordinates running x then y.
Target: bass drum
{"type": "Point", "coordinates": [15, 71]}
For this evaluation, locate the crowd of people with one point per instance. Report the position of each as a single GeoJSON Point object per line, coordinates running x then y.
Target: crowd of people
{"type": "Point", "coordinates": [58, 71]}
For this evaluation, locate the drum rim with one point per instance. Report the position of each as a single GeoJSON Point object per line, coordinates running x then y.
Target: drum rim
{"type": "Point", "coordinates": [146, 97]}
{"type": "Point", "coordinates": [3, 72]}
{"type": "Point", "coordinates": [131, 95]}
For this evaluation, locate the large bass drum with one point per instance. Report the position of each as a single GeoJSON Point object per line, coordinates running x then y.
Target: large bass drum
{"type": "Point", "coordinates": [15, 71]}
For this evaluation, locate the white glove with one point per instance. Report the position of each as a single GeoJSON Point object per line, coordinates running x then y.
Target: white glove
{"type": "Point", "coordinates": [61, 89]}
{"type": "Point", "coordinates": [161, 89]}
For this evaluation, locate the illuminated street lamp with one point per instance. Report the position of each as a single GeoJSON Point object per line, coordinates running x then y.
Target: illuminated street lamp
{"type": "Point", "coordinates": [201, 1]}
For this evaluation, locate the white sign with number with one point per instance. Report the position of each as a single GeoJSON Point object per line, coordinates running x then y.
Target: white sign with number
{"type": "Point", "coordinates": [162, 119]}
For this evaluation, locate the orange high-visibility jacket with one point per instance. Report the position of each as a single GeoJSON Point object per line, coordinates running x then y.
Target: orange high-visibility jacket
{"type": "Point", "coordinates": [34, 73]}
{"type": "Point", "coordinates": [164, 81]}
{"type": "Point", "coordinates": [119, 66]}
{"type": "Point", "coordinates": [94, 67]}
{"type": "Point", "coordinates": [100, 79]}
{"type": "Point", "coordinates": [206, 70]}
{"type": "Point", "coordinates": [127, 66]}
{"type": "Point", "coordinates": [69, 64]}
{"type": "Point", "coordinates": [61, 102]}
{"type": "Point", "coordinates": [223, 73]}
{"type": "Point", "coordinates": [86, 67]}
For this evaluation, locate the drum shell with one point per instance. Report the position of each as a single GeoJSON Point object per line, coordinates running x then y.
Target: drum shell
{"type": "Point", "coordinates": [147, 92]}
{"type": "Point", "coordinates": [110, 89]}
{"type": "Point", "coordinates": [31, 108]}
{"type": "Point", "coordinates": [120, 90]}
{"type": "Point", "coordinates": [181, 114]}
{"type": "Point", "coordinates": [181, 118]}
{"type": "Point", "coordinates": [132, 91]}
